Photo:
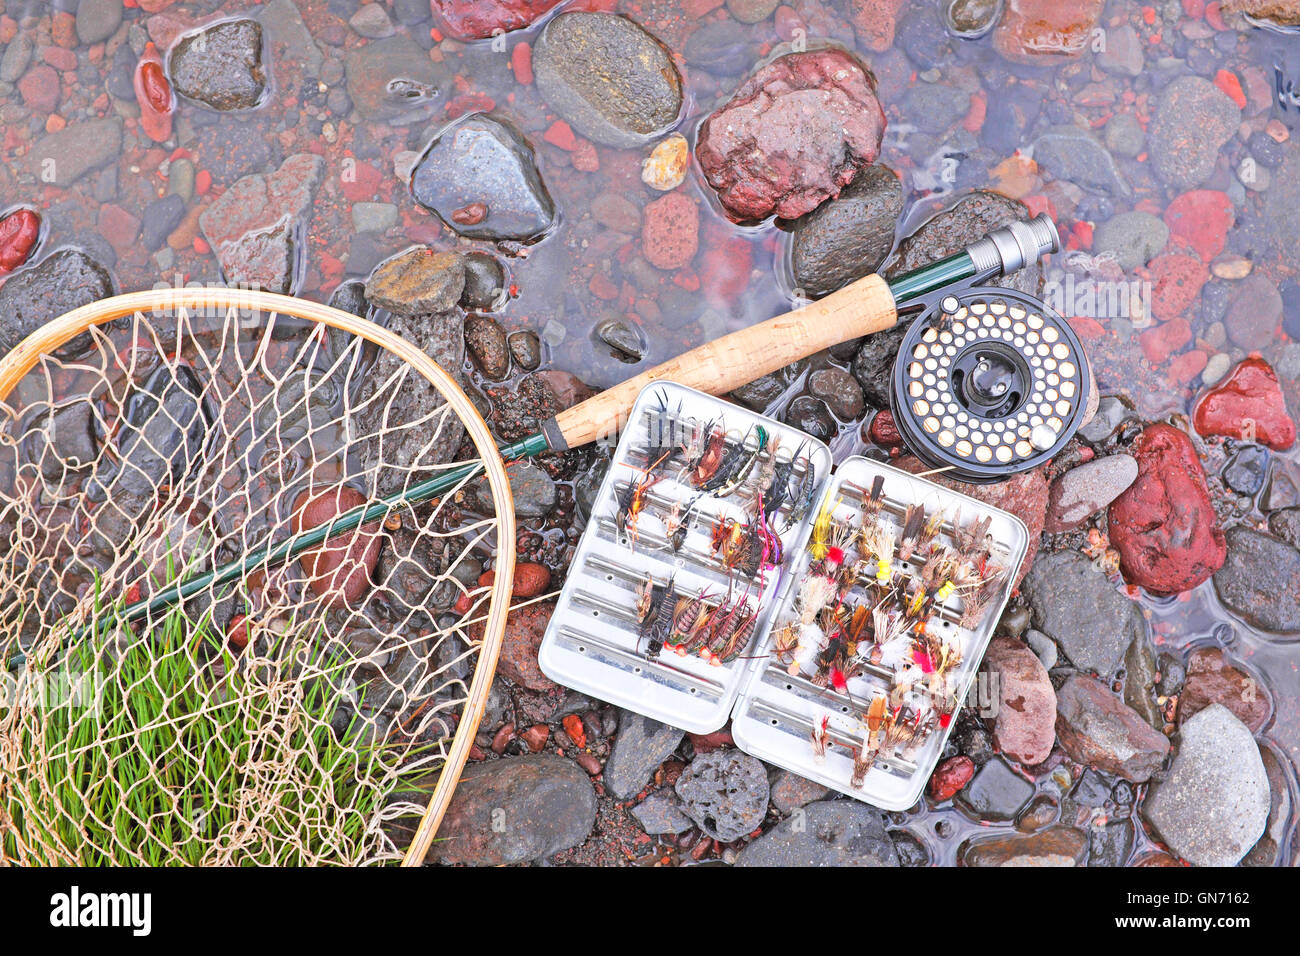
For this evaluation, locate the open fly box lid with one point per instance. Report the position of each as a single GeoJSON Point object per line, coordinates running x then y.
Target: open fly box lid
{"type": "Point", "coordinates": [835, 737]}
{"type": "Point", "coordinates": [721, 538]}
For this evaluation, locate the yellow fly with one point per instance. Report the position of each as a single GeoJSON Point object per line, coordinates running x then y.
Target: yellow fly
{"type": "Point", "coordinates": [821, 533]}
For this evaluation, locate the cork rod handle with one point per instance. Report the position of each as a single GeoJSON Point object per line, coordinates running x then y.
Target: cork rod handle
{"type": "Point", "coordinates": [718, 367]}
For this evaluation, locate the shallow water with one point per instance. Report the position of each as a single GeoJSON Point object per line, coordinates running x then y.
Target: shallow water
{"type": "Point", "coordinates": [588, 270]}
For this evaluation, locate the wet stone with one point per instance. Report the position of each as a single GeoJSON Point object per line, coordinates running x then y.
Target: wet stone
{"type": "Point", "coordinates": [641, 745]}
{"type": "Point", "coordinates": [759, 394]}
{"type": "Point", "coordinates": [59, 283]}
{"type": "Point", "coordinates": [1074, 154]}
{"type": "Point", "coordinates": [1023, 715]}
{"type": "Point", "coordinates": [62, 439]}
{"type": "Point", "coordinates": [1260, 580]}
{"type": "Point", "coordinates": [1140, 672]}
{"type": "Point", "coordinates": [1134, 238]}
{"type": "Point", "coordinates": [610, 79]}
{"type": "Point", "coordinates": [1111, 844]}
{"type": "Point", "coordinates": [97, 20]}
{"type": "Point", "coordinates": [811, 415]}
{"type": "Point", "coordinates": [393, 81]}
{"type": "Point", "coordinates": [1111, 414]}
{"type": "Point", "coordinates": [839, 390]}
{"type": "Point", "coordinates": [826, 833]}
{"type": "Point", "coordinates": [533, 490]}
{"type": "Point", "coordinates": [64, 157]}
{"type": "Point", "coordinates": [1054, 846]}
{"type": "Point", "coordinates": [1245, 471]}
{"type": "Point", "coordinates": [623, 338]}
{"type": "Point", "coordinates": [874, 364]}
{"type": "Point", "coordinates": [1083, 491]}
{"type": "Point", "coordinates": [160, 219]}
{"type": "Point", "coordinates": [661, 812]}
{"type": "Point", "coordinates": [526, 348]}
{"type": "Point", "coordinates": [1096, 728]}
{"type": "Point", "coordinates": [220, 66]}
{"type": "Point", "coordinates": [480, 177]}
{"type": "Point", "coordinates": [547, 803]}
{"type": "Point", "coordinates": [1077, 606]}
{"type": "Point", "coordinates": [1213, 680]}
{"type": "Point", "coordinates": [485, 279]}
{"type": "Point", "coordinates": [417, 281]}
{"type": "Point", "coordinates": [848, 237]}
{"type": "Point", "coordinates": [486, 342]}
{"type": "Point", "coordinates": [725, 792]}
{"type": "Point", "coordinates": [971, 19]}
{"type": "Point", "coordinates": [996, 792]}
{"type": "Point", "coordinates": [719, 48]}
{"type": "Point", "coordinates": [1191, 122]}
{"type": "Point", "coordinates": [1286, 525]}
{"type": "Point", "coordinates": [790, 791]}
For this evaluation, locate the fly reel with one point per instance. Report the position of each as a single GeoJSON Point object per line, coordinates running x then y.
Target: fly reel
{"type": "Point", "coordinates": [988, 383]}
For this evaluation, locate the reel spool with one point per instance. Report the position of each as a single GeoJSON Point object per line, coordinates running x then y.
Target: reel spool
{"type": "Point", "coordinates": [988, 383]}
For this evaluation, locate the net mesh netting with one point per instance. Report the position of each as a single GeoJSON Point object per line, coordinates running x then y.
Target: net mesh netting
{"type": "Point", "coordinates": [298, 715]}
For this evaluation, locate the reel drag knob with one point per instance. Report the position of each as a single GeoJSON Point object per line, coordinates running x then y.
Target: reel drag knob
{"type": "Point", "coordinates": [989, 383]}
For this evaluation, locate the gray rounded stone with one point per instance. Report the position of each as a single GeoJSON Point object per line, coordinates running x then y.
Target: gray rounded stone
{"type": "Point", "coordinates": [826, 833]}
{"type": "Point", "coordinates": [725, 792]}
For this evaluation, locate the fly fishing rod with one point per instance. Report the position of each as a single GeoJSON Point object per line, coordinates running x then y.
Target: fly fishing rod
{"type": "Point", "coordinates": [987, 376]}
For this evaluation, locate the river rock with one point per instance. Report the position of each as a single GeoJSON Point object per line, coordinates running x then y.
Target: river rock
{"type": "Point", "coordinates": [670, 231]}
{"type": "Point", "coordinates": [794, 134]}
{"type": "Point", "coordinates": [848, 237]}
{"type": "Point", "coordinates": [339, 570]}
{"type": "Point", "coordinates": [720, 48]}
{"type": "Point", "coordinates": [1213, 805]}
{"type": "Point", "coordinates": [971, 19]}
{"type": "Point", "coordinates": [97, 20]}
{"type": "Point", "coordinates": [611, 80]}
{"type": "Point", "coordinates": [641, 746]}
{"type": "Point", "coordinates": [481, 160]}
{"type": "Point", "coordinates": [1084, 490]}
{"type": "Point", "coordinates": [1140, 680]}
{"type": "Point", "coordinates": [1260, 580]}
{"type": "Point", "coordinates": [480, 19]}
{"type": "Point", "coordinates": [997, 792]}
{"type": "Point", "coordinates": [1164, 525]}
{"type": "Point", "coordinates": [1286, 525]}
{"type": "Point", "coordinates": [486, 342]}
{"type": "Point", "coordinates": [1254, 312]}
{"type": "Point", "coordinates": [533, 490]}
{"type": "Point", "coordinates": [1075, 155]}
{"type": "Point", "coordinates": [826, 833]}
{"type": "Point", "coordinates": [873, 364]}
{"type": "Point", "coordinates": [62, 158]}
{"type": "Point", "coordinates": [59, 283]}
{"type": "Point", "coordinates": [1247, 405]}
{"type": "Point", "coordinates": [1098, 729]}
{"type": "Point", "coordinates": [839, 390]}
{"type": "Point", "coordinates": [790, 791]}
{"type": "Point", "coordinates": [516, 810]}
{"type": "Point", "coordinates": [417, 281]}
{"type": "Point", "coordinates": [951, 230]}
{"type": "Point", "coordinates": [662, 813]}
{"type": "Point", "coordinates": [1043, 32]}
{"type": "Point", "coordinates": [392, 81]}
{"type": "Point", "coordinates": [725, 792]}
{"type": "Point", "coordinates": [220, 66]}
{"type": "Point", "coordinates": [1024, 725]}
{"type": "Point", "coordinates": [1192, 121]}
{"type": "Point", "coordinates": [257, 227]}
{"type": "Point", "coordinates": [1212, 680]}
{"type": "Point", "coordinates": [1076, 605]}
{"type": "Point", "coordinates": [1054, 846]}
{"type": "Point", "coordinates": [1282, 12]}
{"type": "Point", "coordinates": [1134, 238]}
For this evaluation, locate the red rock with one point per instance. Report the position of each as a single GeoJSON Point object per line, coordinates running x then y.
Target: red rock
{"type": "Point", "coordinates": [1176, 284]}
{"type": "Point", "coordinates": [338, 570]}
{"type": "Point", "coordinates": [39, 88]}
{"type": "Point", "coordinates": [1041, 31]}
{"type": "Point", "coordinates": [705, 743]}
{"type": "Point", "coordinates": [361, 182]}
{"type": "Point", "coordinates": [530, 579]}
{"type": "Point", "coordinates": [585, 157]}
{"type": "Point", "coordinates": [794, 134]}
{"type": "Point", "coordinates": [1096, 728]}
{"type": "Point", "coordinates": [1163, 525]}
{"type": "Point", "coordinates": [1212, 680]}
{"type": "Point", "coordinates": [1024, 727]}
{"type": "Point", "coordinates": [1230, 84]}
{"type": "Point", "coordinates": [1164, 340]}
{"type": "Point", "coordinates": [19, 232]}
{"type": "Point", "coordinates": [726, 267]}
{"type": "Point", "coordinates": [670, 231]}
{"type": "Point", "coordinates": [1247, 405]}
{"type": "Point", "coordinates": [521, 62]}
{"type": "Point", "coordinates": [119, 227]}
{"type": "Point", "coordinates": [950, 776]}
{"type": "Point", "coordinates": [63, 29]}
{"type": "Point", "coordinates": [1200, 220]}
{"type": "Point", "coordinates": [525, 628]}
{"type": "Point", "coordinates": [1184, 368]}
{"type": "Point", "coordinates": [874, 22]}
{"type": "Point", "coordinates": [536, 736]}
{"type": "Point", "coordinates": [479, 19]}
{"type": "Point", "coordinates": [589, 763]}
{"type": "Point", "coordinates": [560, 134]}
{"type": "Point", "coordinates": [883, 431]}
{"type": "Point", "coordinates": [154, 94]}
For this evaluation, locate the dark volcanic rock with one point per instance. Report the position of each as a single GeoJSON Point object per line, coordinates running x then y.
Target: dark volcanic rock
{"type": "Point", "coordinates": [795, 133]}
{"type": "Point", "coordinates": [516, 810]}
{"type": "Point", "coordinates": [1164, 525]}
{"type": "Point", "coordinates": [485, 279]}
{"type": "Point", "coordinates": [478, 159]}
{"type": "Point", "coordinates": [641, 746]}
{"type": "Point", "coordinates": [1260, 580]}
{"type": "Point", "coordinates": [59, 283]}
{"type": "Point", "coordinates": [725, 792]}
{"type": "Point", "coordinates": [874, 364]}
{"type": "Point", "coordinates": [1076, 605]}
{"type": "Point", "coordinates": [826, 833]}
{"type": "Point", "coordinates": [848, 237]}
{"type": "Point", "coordinates": [486, 341]}
{"type": "Point", "coordinates": [610, 79]}
{"type": "Point", "coordinates": [997, 792]}
{"type": "Point", "coordinates": [1098, 729]}
{"type": "Point", "coordinates": [220, 66]}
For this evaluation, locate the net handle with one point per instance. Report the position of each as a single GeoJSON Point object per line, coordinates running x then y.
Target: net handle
{"type": "Point", "coordinates": [45, 340]}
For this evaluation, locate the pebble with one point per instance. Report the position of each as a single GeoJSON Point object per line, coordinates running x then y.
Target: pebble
{"type": "Point", "coordinates": [997, 792]}
{"type": "Point", "coordinates": [533, 490]}
{"type": "Point", "coordinates": [825, 833]}
{"type": "Point", "coordinates": [1124, 135]}
{"type": "Point", "coordinates": [1134, 238]}
{"type": "Point", "coordinates": [1044, 648]}
{"type": "Point", "coordinates": [839, 390]}
{"type": "Point", "coordinates": [811, 415]}
{"type": "Point", "coordinates": [1260, 580]}
{"type": "Point", "coordinates": [417, 281]}
{"type": "Point", "coordinates": [950, 776]}
{"type": "Point", "coordinates": [1248, 406]}
{"type": "Point", "coordinates": [485, 283]}
{"type": "Point", "coordinates": [1073, 154]}
{"type": "Point", "coordinates": [1024, 722]}
{"type": "Point", "coordinates": [1246, 470]}
{"type": "Point", "coordinates": [547, 803]}
{"type": "Point", "coordinates": [670, 231]}
{"type": "Point", "coordinates": [752, 11]}
{"type": "Point", "coordinates": [641, 745]}
{"type": "Point", "coordinates": [221, 66]}
{"type": "Point", "coordinates": [1098, 729]}
{"type": "Point", "coordinates": [1083, 491]}
{"type": "Point", "coordinates": [1254, 313]}
{"type": "Point", "coordinates": [480, 160]}
{"type": "Point", "coordinates": [790, 791]}
{"type": "Point", "coordinates": [63, 157]}
{"type": "Point", "coordinates": [1192, 121]}
{"type": "Point", "coordinates": [485, 340]}
{"type": "Point", "coordinates": [717, 47]}
{"type": "Point", "coordinates": [392, 81]}
{"type": "Point", "coordinates": [612, 81]}
{"type": "Point", "coordinates": [623, 338]}
{"type": "Point", "coordinates": [1054, 846]}
{"type": "Point", "coordinates": [526, 348]}
{"type": "Point", "coordinates": [372, 21]}
{"type": "Point", "coordinates": [1213, 805]}
{"type": "Point", "coordinates": [1286, 525]}
{"type": "Point", "coordinates": [971, 19]}
{"type": "Point", "coordinates": [1123, 52]}
{"type": "Point", "coordinates": [725, 792]}
{"type": "Point", "coordinates": [1076, 605]}
{"type": "Point", "coordinates": [1211, 679]}
{"type": "Point", "coordinates": [160, 219]}
{"type": "Point", "coordinates": [97, 20]}
{"type": "Point", "coordinates": [1215, 368]}
{"type": "Point", "coordinates": [661, 813]}
{"type": "Point", "coordinates": [665, 168]}
{"type": "Point", "coordinates": [374, 216]}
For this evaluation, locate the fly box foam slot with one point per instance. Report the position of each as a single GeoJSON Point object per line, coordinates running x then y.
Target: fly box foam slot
{"type": "Point", "coordinates": [776, 713]}
{"type": "Point", "coordinates": [592, 643]}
